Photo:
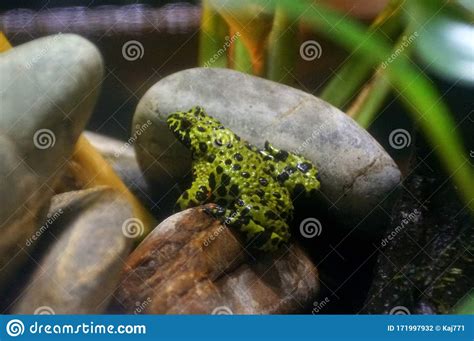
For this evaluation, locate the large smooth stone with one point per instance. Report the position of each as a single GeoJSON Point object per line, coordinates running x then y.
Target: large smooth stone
{"type": "Point", "coordinates": [192, 264]}
{"type": "Point", "coordinates": [49, 83]}
{"type": "Point", "coordinates": [80, 270]}
{"type": "Point", "coordinates": [48, 88]}
{"type": "Point", "coordinates": [356, 172]}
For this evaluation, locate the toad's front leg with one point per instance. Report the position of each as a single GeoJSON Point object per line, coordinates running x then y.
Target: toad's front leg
{"type": "Point", "coordinates": [200, 191]}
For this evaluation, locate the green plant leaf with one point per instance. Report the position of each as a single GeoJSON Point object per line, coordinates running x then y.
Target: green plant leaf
{"type": "Point", "coordinates": [356, 69]}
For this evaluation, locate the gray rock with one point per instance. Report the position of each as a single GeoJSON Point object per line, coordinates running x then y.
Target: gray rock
{"type": "Point", "coordinates": [52, 84]}
{"type": "Point", "coordinates": [356, 173]}
{"type": "Point", "coordinates": [48, 88]}
{"type": "Point", "coordinates": [79, 272]}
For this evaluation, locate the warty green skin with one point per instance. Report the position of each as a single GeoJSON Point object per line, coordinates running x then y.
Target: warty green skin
{"type": "Point", "coordinates": [251, 188]}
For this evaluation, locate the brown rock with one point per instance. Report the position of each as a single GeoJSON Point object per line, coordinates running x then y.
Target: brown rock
{"type": "Point", "coordinates": [192, 264]}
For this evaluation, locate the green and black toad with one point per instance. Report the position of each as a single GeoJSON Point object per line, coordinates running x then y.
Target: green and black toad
{"type": "Point", "coordinates": [251, 188]}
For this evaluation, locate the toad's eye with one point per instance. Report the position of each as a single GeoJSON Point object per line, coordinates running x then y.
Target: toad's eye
{"type": "Point", "coordinates": [218, 142]}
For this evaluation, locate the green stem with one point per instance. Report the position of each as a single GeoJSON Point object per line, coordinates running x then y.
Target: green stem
{"type": "Point", "coordinates": [212, 39]}
{"type": "Point", "coordinates": [365, 114]}
{"type": "Point", "coordinates": [416, 90]}
{"type": "Point", "coordinates": [283, 43]}
{"type": "Point", "coordinates": [355, 71]}
{"type": "Point", "coordinates": [379, 88]}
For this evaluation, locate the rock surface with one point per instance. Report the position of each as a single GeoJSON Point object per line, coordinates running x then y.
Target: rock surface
{"type": "Point", "coordinates": [191, 264]}
{"type": "Point", "coordinates": [48, 89]}
{"type": "Point", "coordinates": [79, 272]}
{"type": "Point", "coordinates": [356, 173]}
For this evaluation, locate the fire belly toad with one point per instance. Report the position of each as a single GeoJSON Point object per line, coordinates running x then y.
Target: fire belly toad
{"type": "Point", "coordinates": [251, 187]}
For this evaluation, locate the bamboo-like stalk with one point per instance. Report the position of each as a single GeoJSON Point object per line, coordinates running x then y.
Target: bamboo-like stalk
{"type": "Point", "coordinates": [241, 59]}
{"type": "Point", "coordinates": [282, 48]}
{"type": "Point", "coordinates": [212, 37]}
{"type": "Point", "coordinates": [253, 24]}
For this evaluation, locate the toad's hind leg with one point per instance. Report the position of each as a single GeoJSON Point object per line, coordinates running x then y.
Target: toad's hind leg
{"type": "Point", "coordinates": [257, 236]}
{"type": "Point", "coordinates": [247, 218]}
